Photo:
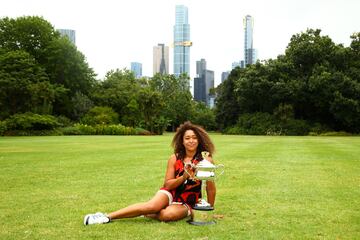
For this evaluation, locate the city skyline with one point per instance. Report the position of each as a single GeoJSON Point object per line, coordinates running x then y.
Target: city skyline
{"type": "Point", "coordinates": [111, 34]}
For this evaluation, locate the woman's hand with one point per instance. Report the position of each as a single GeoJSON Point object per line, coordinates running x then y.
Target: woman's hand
{"type": "Point", "coordinates": [189, 171]}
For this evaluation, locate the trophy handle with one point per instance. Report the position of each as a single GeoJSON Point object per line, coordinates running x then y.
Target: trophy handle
{"type": "Point", "coordinates": [221, 167]}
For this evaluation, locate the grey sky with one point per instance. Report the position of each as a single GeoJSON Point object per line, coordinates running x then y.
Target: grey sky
{"type": "Point", "coordinates": [113, 33]}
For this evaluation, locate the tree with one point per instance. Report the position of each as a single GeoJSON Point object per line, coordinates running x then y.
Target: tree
{"type": "Point", "coordinates": [151, 104]}
{"type": "Point", "coordinates": [316, 81]}
{"type": "Point", "coordinates": [100, 115]}
{"type": "Point", "coordinates": [67, 67]}
{"type": "Point", "coordinates": [24, 85]}
{"type": "Point", "coordinates": [119, 90]}
{"type": "Point", "coordinates": [29, 33]}
{"type": "Point", "coordinates": [203, 116]}
{"type": "Point", "coordinates": [63, 69]}
{"type": "Point", "coordinates": [176, 95]}
{"type": "Point", "coordinates": [227, 109]}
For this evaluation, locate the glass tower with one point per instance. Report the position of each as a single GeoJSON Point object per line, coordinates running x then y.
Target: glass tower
{"type": "Point", "coordinates": [136, 68]}
{"type": "Point", "coordinates": [249, 51]}
{"type": "Point", "coordinates": [182, 41]}
{"type": "Point", "coordinates": [68, 33]}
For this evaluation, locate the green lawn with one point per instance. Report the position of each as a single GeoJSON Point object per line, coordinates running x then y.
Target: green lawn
{"type": "Point", "coordinates": [272, 188]}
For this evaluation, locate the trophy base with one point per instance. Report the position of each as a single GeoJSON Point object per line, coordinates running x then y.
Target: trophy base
{"type": "Point", "coordinates": [201, 216]}
{"type": "Point", "coordinates": [200, 223]}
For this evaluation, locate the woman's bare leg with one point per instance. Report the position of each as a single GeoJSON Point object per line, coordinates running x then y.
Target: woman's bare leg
{"type": "Point", "coordinates": [158, 202]}
{"type": "Point", "coordinates": [171, 213]}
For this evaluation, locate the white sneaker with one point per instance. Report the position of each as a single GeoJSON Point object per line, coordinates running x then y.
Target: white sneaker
{"type": "Point", "coordinates": [97, 218]}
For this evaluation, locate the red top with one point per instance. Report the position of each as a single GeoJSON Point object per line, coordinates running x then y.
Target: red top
{"type": "Point", "coordinates": [190, 191]}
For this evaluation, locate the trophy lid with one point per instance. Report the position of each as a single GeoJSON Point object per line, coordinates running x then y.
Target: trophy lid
{"type": "Point", "coordinates": [205, 164]}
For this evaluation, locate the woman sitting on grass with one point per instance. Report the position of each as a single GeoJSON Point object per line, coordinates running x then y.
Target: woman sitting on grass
{"type": "Point", "coordinates": [175, 200]}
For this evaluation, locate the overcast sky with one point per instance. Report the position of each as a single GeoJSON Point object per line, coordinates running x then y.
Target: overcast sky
{"type": "Point", "coordinates": [113, 33]}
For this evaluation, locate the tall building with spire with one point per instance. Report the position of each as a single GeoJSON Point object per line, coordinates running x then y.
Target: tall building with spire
{"type": "Point", "coordinates": [182, 41]}
{"type": "Point", "coordinates": [249, 51]}
{"type": "Point", "coordinates": [161, 59]}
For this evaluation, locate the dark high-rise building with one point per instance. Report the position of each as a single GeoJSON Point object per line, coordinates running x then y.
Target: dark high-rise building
{"type": "Point", "coordinates": [203, 82]}
{"type": "Point", "coordinates": [224, 76]}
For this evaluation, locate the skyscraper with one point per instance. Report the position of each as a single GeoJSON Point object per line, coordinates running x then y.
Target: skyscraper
{"type": "Point", "coordinates": [203, 82]}
{"type": "Point", "coordinates": [200, 67]}
{"type": "Point", "coordinates": [69, 33]}
{"type": "Point", "coordinates": [161, 59]}
{"type": "Point", "coordinates": [136, 68]}
{"type": "Point", "coordinates": [249, 51]}
{"type": "Point", "coordinates": [182, 41]}
{"type": "Point", "coordinates": [224, 76]}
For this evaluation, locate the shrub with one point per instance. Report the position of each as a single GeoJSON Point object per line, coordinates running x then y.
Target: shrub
{"type": "Point", "coordinates": [266, 124]}
{"type": "Point", "coordinates": [73, 130]}
{"type": "Point", "coordinates": [295, 127]}
{"type": "Point", "coordinates": [256, 124]}
{"type": "Point", "coordinates": [100, 115]}
{"type": "Point", "coordinates": [340, 133]}
{"type": "Point", "coordinates": [3, 127]}
{"type": "Point", "coordinates": [100, 129]}
{"type": "Point", "coordinates": [54, 132]}
{"type": "Point", "coordinates": [64, 121]}
{"type": "Point", "coordinates": [31, 121]}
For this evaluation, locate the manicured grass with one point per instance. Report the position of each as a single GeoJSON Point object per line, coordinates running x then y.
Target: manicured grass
{"type": "Point", "coordinates": [273, 187]}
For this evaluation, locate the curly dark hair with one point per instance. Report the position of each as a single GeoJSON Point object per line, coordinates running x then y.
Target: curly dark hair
{"type": "Point", "coordinates": [205, 143]}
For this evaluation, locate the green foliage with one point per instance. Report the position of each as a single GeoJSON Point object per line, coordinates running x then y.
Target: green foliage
{"type": "Point", "coordinates": [100, 115]}
{"type": "Point", "coordinates": [266, 124]}
{"type": "Point", "coordinates": [81, 105]}
{"type": "Point", "coordinates": [227, 108]}
{"type": "Point", "coordinates": [256, 124]}
{"type": "Point", "coordinates": [64, 121]}
{"type": "Point", "coordinates": [100, 129]}
{"type": "Point", "coordinates": [341, 133]}
{"type": "Point", "coordinates": [316, 81]}
{"type": "Point", "coordinates": [3, 127]}
{"type": "Point", "coordinates": [204, 116]}
{"type": "Point", "coordinates": [66, 66]}
{"type": "Point", "coordinates": [31, 121]}
{"type": "Point", "coordinates": [24, 85]}
{"type": "Point", "coordinates": [31, 34]}
{"type": "Point", "coordinates": [39, 70]}
{"type": "Point", "coordinates": [54, 132]}
{"type": "Point", "coordinates": [175, 96]}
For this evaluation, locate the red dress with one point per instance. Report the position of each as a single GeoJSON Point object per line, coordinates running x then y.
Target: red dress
{"type": "Point", "coordinates": [190, 191]}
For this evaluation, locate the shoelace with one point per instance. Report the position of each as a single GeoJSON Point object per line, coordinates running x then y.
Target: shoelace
{"type": "Point", "coordinates": [97, 216]}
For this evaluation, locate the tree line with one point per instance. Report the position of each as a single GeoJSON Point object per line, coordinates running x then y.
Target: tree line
{"type": "Point", "coordinates": [43, 73]}
{"type": "Point", "coordinates": [314, 87]}
{"type": "Point", "coordinates": [45, 80]}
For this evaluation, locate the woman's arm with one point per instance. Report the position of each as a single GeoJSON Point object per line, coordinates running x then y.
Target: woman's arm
{"type": "Point", "coordinates": [170, 181]}
{"type": "Point", "coordinates": [211, 188]}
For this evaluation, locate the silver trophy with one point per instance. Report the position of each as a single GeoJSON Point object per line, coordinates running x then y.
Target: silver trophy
{"type": "Point", "coordinates": [204, 171]}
